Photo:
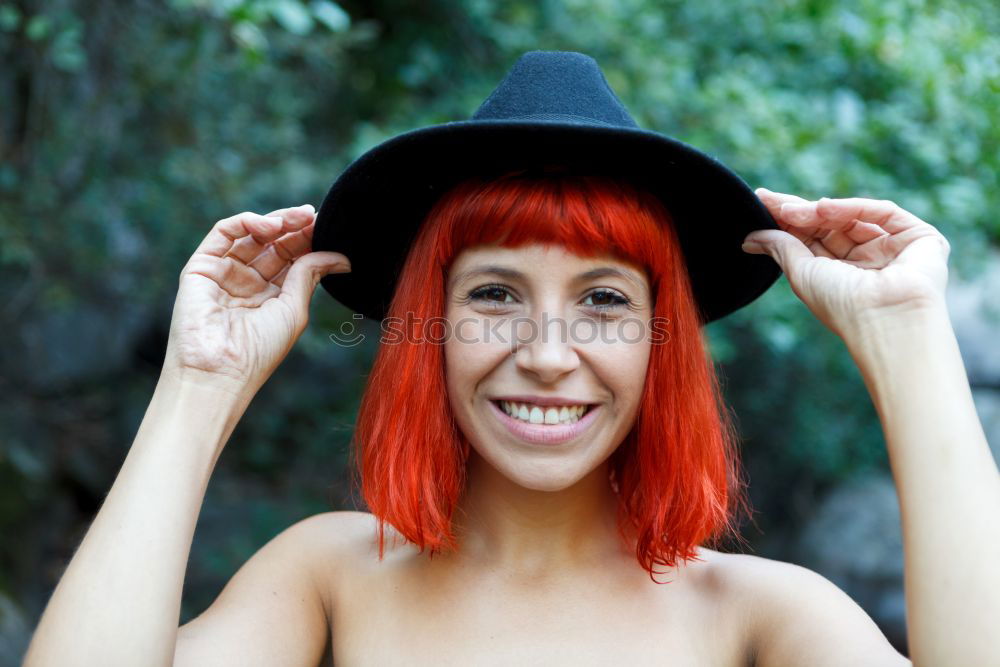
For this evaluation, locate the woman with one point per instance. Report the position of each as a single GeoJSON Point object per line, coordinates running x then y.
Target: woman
{"type": "Point", "coordinates": [577, 540]}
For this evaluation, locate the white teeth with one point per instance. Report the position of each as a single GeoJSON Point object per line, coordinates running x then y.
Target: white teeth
{"type": "Point", "coordinates": [536, 414]}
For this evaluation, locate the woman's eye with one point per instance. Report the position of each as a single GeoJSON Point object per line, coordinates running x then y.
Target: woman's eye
{"type": "Point", "coordinates": [607, 299]}
{"type": "Point", "coordinates": [492, 294]}
{"type": "Point", "coordinates": [602, 300]}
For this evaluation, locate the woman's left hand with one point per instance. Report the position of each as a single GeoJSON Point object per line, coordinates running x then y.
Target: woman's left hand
{"type": "Point", "coordinates": [854, 261]}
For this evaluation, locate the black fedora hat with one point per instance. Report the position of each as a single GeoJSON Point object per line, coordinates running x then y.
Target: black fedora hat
{"type": "Point", "coordinates": [552, 106]}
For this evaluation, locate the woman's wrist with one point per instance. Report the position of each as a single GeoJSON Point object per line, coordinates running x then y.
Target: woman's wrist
{"type": "Point", "coordinates": [884, 338]}
{"type": "Point", "coordinates": [912, 366]}
{"type": "Point", "coordinates": [213, 387]}
{"type": "Point", "coordinates": [207, 405]}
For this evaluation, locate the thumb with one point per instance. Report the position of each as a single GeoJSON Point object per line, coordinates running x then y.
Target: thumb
{"type": "Point", "coordinates": [784, 248]}
{"type": "Point", "coordinates": [306, 271]}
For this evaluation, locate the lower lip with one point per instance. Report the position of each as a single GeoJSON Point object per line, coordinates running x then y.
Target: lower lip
{"type": "Point", "coordinates": [545, 434]}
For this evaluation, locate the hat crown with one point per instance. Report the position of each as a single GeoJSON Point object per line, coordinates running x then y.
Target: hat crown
{"type": "Point", "coordinates": [564, 86]}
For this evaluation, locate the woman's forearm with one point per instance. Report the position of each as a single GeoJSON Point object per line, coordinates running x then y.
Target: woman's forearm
{"type": "Point", "coordinates": [118, 602]}
{"type": "Point", "coordinates": [947, 483]}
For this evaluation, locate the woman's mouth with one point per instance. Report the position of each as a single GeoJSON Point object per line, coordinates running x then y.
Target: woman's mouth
{"type": "Point", "coordinates": [540, 414]}
{"type": "Point", "coordinates": [541, 424]}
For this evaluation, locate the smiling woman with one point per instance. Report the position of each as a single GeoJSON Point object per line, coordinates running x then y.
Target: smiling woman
{"type": "Point", "coordinates": [654, 441]}
{"type": "Point", "coordinates": [538, 482]}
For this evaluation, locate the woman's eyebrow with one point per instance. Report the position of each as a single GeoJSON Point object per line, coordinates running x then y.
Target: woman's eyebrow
{"type": "Point", "coordinates": [493, 269]}
{"type": "Point", "coordinates": [513, 274]}
{"type": "Point", "coordinates": [602, 271]}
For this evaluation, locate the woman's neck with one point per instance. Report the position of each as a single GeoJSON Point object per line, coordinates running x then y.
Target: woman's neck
{"type": "Point", "coordinates": [509, 527]}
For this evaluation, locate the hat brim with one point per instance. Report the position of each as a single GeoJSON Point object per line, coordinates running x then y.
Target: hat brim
{"type": "Point", "coordinates": [373, 210]}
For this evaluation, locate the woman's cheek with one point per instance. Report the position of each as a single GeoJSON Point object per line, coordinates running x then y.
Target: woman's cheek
{"type": "Point", "coordinates": [466, 331]}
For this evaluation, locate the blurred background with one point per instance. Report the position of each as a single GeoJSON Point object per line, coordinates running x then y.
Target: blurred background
{"type": "Point", "coordinates": [128, 128]}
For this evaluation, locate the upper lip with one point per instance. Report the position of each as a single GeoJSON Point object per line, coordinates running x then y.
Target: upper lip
{"type": "Point", "coordinates": [542, 400]}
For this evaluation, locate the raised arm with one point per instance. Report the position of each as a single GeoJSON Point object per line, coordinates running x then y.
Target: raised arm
{"type": "Point", "coordinates": [947, 483]}
{"type": "Point", "coordinates": [876, 275]}
{"type": "Point", "coordinates": [242, 302]}
{"type": "Point", "coordinates": [119, 599]}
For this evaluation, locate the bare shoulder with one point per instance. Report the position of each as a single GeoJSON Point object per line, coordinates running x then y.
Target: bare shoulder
{"type": "Point", "coordinates": [340, 542]}
{"type": "Point", "coordinates": [276, 608]}
{"type": "Point", "coordinates": [345, 533]}
{"type": "Point", "coordinates": [336, 530]}
{"type": "Point", "coordinates": [795, 616]}
{"type": "Point", "coordinates": [336, 539]}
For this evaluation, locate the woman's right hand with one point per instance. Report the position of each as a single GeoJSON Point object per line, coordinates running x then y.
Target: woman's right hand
{"type": "Point", "coordinates": [243, 299]}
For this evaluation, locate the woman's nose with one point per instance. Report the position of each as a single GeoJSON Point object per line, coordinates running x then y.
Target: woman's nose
{"type": "Point", "coordinates": [546, 350]}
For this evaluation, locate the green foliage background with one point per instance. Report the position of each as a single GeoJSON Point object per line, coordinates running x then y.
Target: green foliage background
{"type": "Point", "coordinates": [128, 128]}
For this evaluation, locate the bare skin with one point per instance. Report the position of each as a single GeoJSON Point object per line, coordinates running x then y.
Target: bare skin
{"type": "Point", "coordinates": [727, 610]}
{"type": "Point", "coordinates": [541, 579]}
{"type": "Point", "coordinates": [458, 610]}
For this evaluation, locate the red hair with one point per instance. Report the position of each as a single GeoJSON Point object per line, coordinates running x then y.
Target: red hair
{"type": "Point", "coordinates": [676, 473]}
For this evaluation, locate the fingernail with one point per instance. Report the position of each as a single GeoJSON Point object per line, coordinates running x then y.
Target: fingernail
{"type": "Point", "coordinates": [308, 206]}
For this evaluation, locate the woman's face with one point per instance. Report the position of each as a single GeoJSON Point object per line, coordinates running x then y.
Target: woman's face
{"type": "Point", "coordinates": [579, 330]}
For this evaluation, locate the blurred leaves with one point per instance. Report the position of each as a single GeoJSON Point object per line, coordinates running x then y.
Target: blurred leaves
{"type": "Point", "coordinates": [331, 15]}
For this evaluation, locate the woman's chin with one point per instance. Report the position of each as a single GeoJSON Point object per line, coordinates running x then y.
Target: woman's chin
{"type": "Point", "coordinates": [547, 478]}
{"type": "Point", "coordinates": [538, 468]}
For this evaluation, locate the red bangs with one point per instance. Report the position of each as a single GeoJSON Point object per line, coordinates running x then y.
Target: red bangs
{"type": "Point", "coordinates": [587, 215]}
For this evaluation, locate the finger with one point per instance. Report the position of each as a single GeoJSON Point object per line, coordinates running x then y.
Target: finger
{"type": "Point", "coordinates": [339, 259]}
{"type": "Point", "coordinates": [819, 249]}
{"type": "Point", "coordinates": [841, 213]}
{"type": "Point", "coordinates": [783, 247]}
{"type": "Point", "coordinates": [810, 237]}
{"type": "Point", "coordinates": [863, 232]}
{"type": "Point", "coordinates": [843, 242]}
{"type": "Point", "coordinates": [837, 243]}
{"type": "Point", "coordinates": [306, 207]}
{"type": "Point", "coordinates": [227, 231]}
{"type": "Point", "coordinates": [248, 248]}
{"type": "Point", "coordinates": [278, 255]}
{"type": "Point", "coordinates": [773, 201]}
{"type": "Point", "coordinates": [887, 248]}
{"type": "Point", "coordinates": [232, 276]}
{"type": "Point", "coordinates": [300, 280]}
{"type": "Point", "coordinates": [871, 255]}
